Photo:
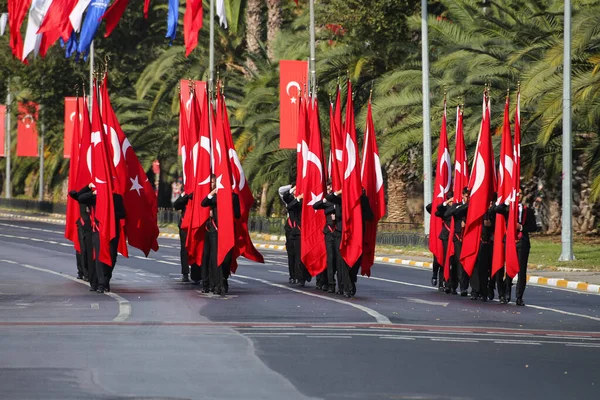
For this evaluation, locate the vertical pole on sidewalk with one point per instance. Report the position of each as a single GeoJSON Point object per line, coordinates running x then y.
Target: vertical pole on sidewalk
{"type": "Point", "coordinates": [312, 65]}
{"type": "Point", "coordinates": [41, 150]}
{"type": "Point", "coordinates": [91, 76]}
{"type": "Point", "coordinates": [426, 129]}
{"type": "Point", "coordinates": [7, 188]}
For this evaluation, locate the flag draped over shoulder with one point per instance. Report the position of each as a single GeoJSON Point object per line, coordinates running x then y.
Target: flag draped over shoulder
{"type": "Point", "coordinates": [512, 258]}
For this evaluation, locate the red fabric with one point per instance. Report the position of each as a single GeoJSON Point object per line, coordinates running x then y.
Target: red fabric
{"type": "Point", "coordinates": [222, 173]}
{"type": "Point", "coordinates": [372, 182]}
{"type": "Point", "coordinates": [84, 168]}
{"type": "Point", "coordinates": [17, 9]}
{"type": "Point", "coordinates": [102, 178]}
{"type": "Point", "coordinates": [292, 75]}
{"type": "Point", "coordinates": [301, 137]}
{"type": "Point", "coordinates": [241, 187]}
{"type": "Point", "coordinates": [443, 180]}
{"type": "Point", "coordinates": [2, 129]}
{"type": "Point", "coordinates": [184, 148]}
{"type": "Point", "coordinates": [27, 139]}
{"type": "Point", "coordinates": [336, 141]}
{"type": "Point", "coordinates": [352, 223]}
{"type": "Point", "coordinates": [312, 242]}
{"type": "Point", "coordinates": [146, 8]}
{"type": "Point", "coordinates": [505, 189]}
{"type": "Point", "coordinates": [71, 113]}
{"type": "Point", "coordinates": [72, 205]}
{"type": "Point", "coordinates": [482, 188]}
{"type": "Point", "coordinates": [512, 259]}
{"type": "Point", "coordinates": [113, 15]}
{"type": "Point", "coordinates": [139, 199]}
{"type": "Point", "coordinates": [192, 23]}
{"type": "Point", "coordinates": [56, 23]}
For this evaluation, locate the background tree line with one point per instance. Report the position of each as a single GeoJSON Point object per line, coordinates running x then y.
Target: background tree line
{"type": "Point", "coordinates": [377, 45]}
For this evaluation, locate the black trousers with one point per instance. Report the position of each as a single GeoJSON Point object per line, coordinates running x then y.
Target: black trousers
{"type": "Point", "coordinates": [211, 274]}
{"type": "Point", "coordinates": [498, 278]}
{"type": "Point", "coordinates": [483, 269]}
{"type": "Point", "coordinates": [301, 271]}
{"type": "Point", "coordinates": [523, 249]}
{"type": "Point", "coordinates": [343, 270]}
{"type": "Point", "coordinates": [463, 277]}
{"type": "Point", "coordinates": [85, 254]}
{"type": "Point", "coordinates": [289, 248]}
{"type": "Point", "coordinates": [332, 256]}
{"type": "Point", "coordinates": [183, 254]}
{"type": "Point", "coordinates": [103, 271]}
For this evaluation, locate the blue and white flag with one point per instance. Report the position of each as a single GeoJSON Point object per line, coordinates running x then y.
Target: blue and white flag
{"type": "Point", "coordinates": [90, 25]}
{"type": "Point", "coordinates": [172, 18]}
{"type": "Point", "coordinates": [71, 46]}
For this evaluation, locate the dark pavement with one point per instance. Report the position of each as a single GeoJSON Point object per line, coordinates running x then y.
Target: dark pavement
{"type": "Point", "coordinates": [157, 338]}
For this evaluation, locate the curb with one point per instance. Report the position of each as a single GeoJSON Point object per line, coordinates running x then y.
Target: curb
{"type": "Point", "coordinates": [538, 280]}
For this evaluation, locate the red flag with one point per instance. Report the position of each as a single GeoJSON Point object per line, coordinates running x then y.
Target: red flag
{"type": "Point", "coordinates": [71, 113]}
{"type": "Point", "coordinates": [72, 205]}
{"type": "Point", "coordinates": [113, 15]}
{"type": "Point", "coordinates": [84, 166]}
{"type": "Point", "coordinates": [17, 9]}
{"type": "Point", "coordinates": [443, 180]}
{"type": "Point", "coordinates": [242, 188]}
{"type": "Point", "coordinates": [352, 223]}
{"type": "Point", "coordinates": [146, 8]}
{"type": "Point", "coordinates": [2, 129]}
{"type": "Point", "coordinates": [292, 74]}
{"type": "Point", "coordinates": [301, 137]}
{"type": "Point", "coordinates": [27, 140]}
{"type": "Point", "coordinates": [184, 148]}
{"type": "Point", "coordinates": [372, 181]}
{"type": "Point", "coordinates": [512, 259]}
{"type": "Point", "coordinates": [336, 144]}
{"type": "Point", "coordinates": [102, 178]}
{"type": "Point", "coordinates": [192, 23]}
{"type": "Point", "coordinates": [482, 187]}
{"type": "Point", "coordinates": [141, 225]}
{"type": "Point", "coordinates": [505, 189]}
{"type": "Point", "coordinates": [56, 23]}
{"type": "Point", "coordinates": [312, 243]}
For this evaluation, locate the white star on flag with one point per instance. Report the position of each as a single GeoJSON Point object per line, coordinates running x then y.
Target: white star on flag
{"type": "Point", "coordinates": [219, 184]}
{"type": "Point", "coordinates": [293, 100]}
{"type": "Point", "coordinates": [135, 184]}
{"type": "Point", "coordinates": [314, 198]}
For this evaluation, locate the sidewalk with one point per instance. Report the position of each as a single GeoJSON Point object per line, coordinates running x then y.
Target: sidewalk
{"type": "Point", "coordinates": [569, 278]}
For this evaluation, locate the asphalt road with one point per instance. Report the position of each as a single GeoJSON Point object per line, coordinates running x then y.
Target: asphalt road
{"type": "Point", "coordinates": [156, 338]}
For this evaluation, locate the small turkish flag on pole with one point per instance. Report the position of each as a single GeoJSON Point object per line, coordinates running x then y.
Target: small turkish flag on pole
{"type": "Point", "coordinates": [302, 134]}
{"type": "Point", "coordinates": [336, 141]}
{"type": "Point", "coordinates": [27, 137]}
{"type": "Point", "coordinates": [71, 113]}
{"type": "Point", "coordinates": [84, 165]}
{"type": "Point", "coordinates": [72, 205]}
{"type": "Point", "coordinates": [512, 258]}
{"type": "Point", "coordinates": [292, 75]}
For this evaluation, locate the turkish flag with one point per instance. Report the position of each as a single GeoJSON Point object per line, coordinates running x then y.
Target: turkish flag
{"type": "Point", "coordinates": [27, 137]}
{"type": "Point", "coordinates": [139, 199]}
{"type": "Point", "coordinates": [443, 180]}
{"type": "Point", "coordinates": [505, 189]}
{"type": "Point", "coordinates": [17, 9]}
{"type": "Point", "coordinates": [71, 113]}
{"type": "Point", "coordinates": [303, 126]}
{"type": "Point", "coordinates": [113, 15]}
{"type": "Point", "coordinates": [241, 187]}
{"type": "Point", "coordinates": [482, 188]}
{"type": "Point", "coordinates": [372, 182]}
{"type": "Point", "coordinates": [72, 205]}
{"type": "Point", "coordinates": [512, 258]}
{"type": "Point", "coordinates": [336, 144]}
{"type": "Point", "coordinates": [352, 223]}
{"type": "Point", "coordinates": [292, 74]}
{"type": "Point", "coordinates": [84, 158]}
{"type": "Point", "coordinates": [461, 180]}
{"type": "Point", "coordinates": [184, 86]}
{"type": "Point", "coordinates": [56, 23]}
{"type": "Point", "coordinates": [102, 178]}
{"type": "Point", "coordinates": [2, 130]}
{"type": "Point", "coordinates": [312, 242]}
{"type": "Point", "coordinates": [184, 147]}
{"type": "Point", "coordinates": [192, 23]}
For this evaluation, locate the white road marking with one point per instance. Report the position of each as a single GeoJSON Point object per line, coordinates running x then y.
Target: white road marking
{"type": "Point", "coordinates": [516, 342]}
{"type": "Point", "coordinates": [167, 262]}
{"type": "Point", "coordinates": [455, 340]}
{"type": "Point", "coordinates": [399, 282]}
{"type": "Point", "coordinates": [564, 312]}
{"type": "Point", "coordinates": [380, 318]}
{"type": "Point", "coordinates": [95, 306]}
{"type": "Point", "coordinates": [328, 337]}
{"type": "Point", "coordinates": [278, 272]}
{"type": "Point", "coordinates": [433, 303]}
{"type": "Point", "coordinates": [237, 281]}
{"type": "Point", "coordinates": [396, 337]}
{"type": "Point", "coordinates": [124, 304]}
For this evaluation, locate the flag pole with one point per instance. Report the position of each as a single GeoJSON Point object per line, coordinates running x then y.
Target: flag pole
{"type": "Point", "coordinates": [211, 51]}
{"type": "Point", "coordinates": [313, 61]}
{"type": "Point", "coordinates": [567, 173]}
{"type": "Point", "coordinates": [426, 128]}
{"type": "Point", "coordinates": [7, 141]}
{"type": "Point", "coordinates": [41, 150]}
{"type": "Point", "coordinates": [91, 76]}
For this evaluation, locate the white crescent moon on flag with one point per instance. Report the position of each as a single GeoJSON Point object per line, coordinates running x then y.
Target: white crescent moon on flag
{"type": "Point", "coordinates": [290, 85]}
{"type": "Point", "coordinates": [89, 159]}
{"type": "Point", "coordinates": [378, 173]}
{"type": "Point", "coordinates": [205, 144]}
{"type": "Point", "coordinates": [479, 175]}
{"type": "Point", "coordinates": [218, 150]}
{"type": "Point", "coordinates": [446, 161]}
{"type": "Point", "coordinates": [351, 156]}
{"type": "Point", "coordinates": [236, 160]}
{"type": "Point", "coordinates": [183, 160]}
{"type": "Point", "coordinates": [313, 158]}
{"type": "Point", "coordinates": [126, 145]}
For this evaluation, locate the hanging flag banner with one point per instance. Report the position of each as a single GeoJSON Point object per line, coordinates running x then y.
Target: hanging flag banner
{"type": "Point", "coordinates": [27, 140]}
{"type": "Point", "coordinates": [292, 77]}
{"type": "Point", "coordinates": [70, 115]}
{"type": "Point", "coordinates": [184, 84]}
{"type": "Point", "coordinates": [3, 21]}
{"type": "Point", "coordinates": [2, 129]}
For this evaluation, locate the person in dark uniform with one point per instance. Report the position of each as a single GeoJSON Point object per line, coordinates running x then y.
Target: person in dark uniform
{"type": "Point", "coordinates": [328, 230]}
{"type": "Point", "coordinates": [225, 266]}
{"type": "Point", "coordinates": [458, 211]}
{"type": "Point", "coordinates": [287, 197]}
{"type": "Point", "coordinates": [295, 211]}
{"type": "Point", "coordinates": [84, 233]}
{"type": "Point", "coordinates": [87, 196]}
{"type": "Point", "coordinates": [344, 279]}
{"type": "Point", "coordinates": [180, 204]}
{"type": "Point", "coordinates": [437, 278]}
{"type": "Point", "coordinates": [114, 243]}
{"type": "Point", "coordinates": [367, 215]}
{"type": "Point", "coordinates": [483, 264]}
{"type": "Point", "coordinates": [525, 225]}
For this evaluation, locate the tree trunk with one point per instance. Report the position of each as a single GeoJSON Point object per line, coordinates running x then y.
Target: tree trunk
{"type": "Point", "coordinates": [263, 200]}
{"type": "Point", "coordinates": [253, 30]}
{"type": "Point", "coordinates": [397, 193]}
{"type": "Point", "coordinates": [273, 26]}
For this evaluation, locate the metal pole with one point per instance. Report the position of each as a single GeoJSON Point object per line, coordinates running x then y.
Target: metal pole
{"type": "Point", "coordinates": [211, 50]}
{"type": "Point", "coordinates": [567, 201]}
{"type": "Point", "coordinates": [312, 65]}
{"type": "Point", "coordinates": [426, 128]}
{"type": "Point", "coordinates": [91, 76]}
{"type": "Point", "coordinates": [41, 189]}
{"type": "Point", "coordinates": [7, 188]}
